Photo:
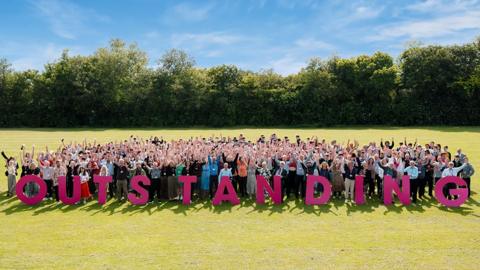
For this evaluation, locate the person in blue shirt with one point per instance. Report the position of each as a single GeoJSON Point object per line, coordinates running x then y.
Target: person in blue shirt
{"type": "Point", "coordinates": [213, 164]}
{"type": "Point", "coordinates": [412, 172]}
{"type": "Point", "coordinates": [205, 180]}
{"type": "Point", "coordinates": [467, 173]}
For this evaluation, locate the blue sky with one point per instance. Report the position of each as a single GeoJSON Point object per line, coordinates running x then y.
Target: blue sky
{"type": "Point", "coordinates": [253, 35]}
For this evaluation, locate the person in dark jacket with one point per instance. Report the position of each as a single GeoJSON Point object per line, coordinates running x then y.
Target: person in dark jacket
{"type": "Point", "coordinates": [349, 175]}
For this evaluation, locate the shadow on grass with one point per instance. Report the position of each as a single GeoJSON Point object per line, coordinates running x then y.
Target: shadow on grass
{"type": "Point", "coordinates": [368, 207]}
{"type": "Point", "coordinates": [11, 206]}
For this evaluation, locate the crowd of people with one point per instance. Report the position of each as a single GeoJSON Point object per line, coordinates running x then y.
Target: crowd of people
{"type": "Point", "coordinates": [241, 160]}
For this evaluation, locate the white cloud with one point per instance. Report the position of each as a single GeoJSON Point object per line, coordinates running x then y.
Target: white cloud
{"type": "Point", "coordinates": [203, 40]}
{"type": "Point", "coordinates": [364, 12]}
{"type": "Point", "coordinates": [352, 15]}
{"type": "Point", "coordinates": [25, 55]}
{"type": "Point", "coordinates": [429, 28]}
{"type": "Point", "coordinates": [152, 35]}
{"type": "Point", "coordinates": [440, 6]}
{"type": "Point", "coordinates": [66, 19]}
{"type": "Point", "coordinates": [312, 44]}
{"type": "Point", "coordinates": [190, 13]}
{"type": "Point", "coordinates": [292, 4]}
{"type": "Point", "coordinates": [37, 57]}
{"type": "Point", "coordinates": [214, 53]}
{"type": "Point", "coordinates": [289, 64]}
{"type": "Point", "coordinates": [293, 58]}
{"type": "Point", "coordinates": [423, 6]}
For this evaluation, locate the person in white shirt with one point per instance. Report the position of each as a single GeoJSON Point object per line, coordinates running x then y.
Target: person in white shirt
{"type": "Point", "coordinates": [47, 174]}
{"type": "Point", "coordinates": [451, 171]}
{"type": "Point", "coordinates": [225, 172]}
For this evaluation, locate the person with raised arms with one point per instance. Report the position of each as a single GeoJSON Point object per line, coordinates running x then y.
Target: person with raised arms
{"type": "Point", "coordinates": [338, 162]}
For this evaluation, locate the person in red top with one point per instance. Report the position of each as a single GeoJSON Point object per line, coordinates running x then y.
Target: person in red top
{"type": "Point", "coordinates": [84, 191]}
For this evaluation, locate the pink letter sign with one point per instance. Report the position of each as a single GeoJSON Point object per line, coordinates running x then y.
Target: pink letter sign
{"type": "Point", "coordinates": [38, 197]}
{"type": "Point", "coordinates": [135, 183]}
{"type": "Point", "coordinates": [359, 196]}
{"type": "Point", "coordinates": [230, 196]}
{"type": "Point", "coordinates": [102, 182]}
{"type": "Point", "coordinates": [275, 193]}
{"type": "Point", "coordinates": [62, 190]}
{"type": "Point", "coordinates": [187, 187]}
{"type": "Point", "coordinates": [327, 190]}
{"type": "Point", "coordinates": [462, 193]}
{"type": "Point", "coordinates": [389, 185]}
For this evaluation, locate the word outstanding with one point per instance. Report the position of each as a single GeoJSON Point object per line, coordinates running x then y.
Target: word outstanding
{"type": "Point", "coordinates": [226, 191]}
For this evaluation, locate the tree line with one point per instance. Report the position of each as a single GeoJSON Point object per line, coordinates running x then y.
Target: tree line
{"type": "Point", "coordinates": [115, 87]}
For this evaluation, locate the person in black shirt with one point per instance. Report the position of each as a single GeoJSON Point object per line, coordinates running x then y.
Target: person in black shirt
{"type": "Point", "coordinates": [72, 170]}
{"type": "Point", "coordinates": [387, 144]}
{"type": "Point", "coordinates": [429, 176]}
{"type": "Point", "coordinates": [122, 180]}
{"type": "Point", "coordinates": [349, 175]}
{"type": "Point", "coordinates": [169, 171]}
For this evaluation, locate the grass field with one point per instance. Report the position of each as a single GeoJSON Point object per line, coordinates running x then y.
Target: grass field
{"type": "Point", "coordinates": [169, 235]}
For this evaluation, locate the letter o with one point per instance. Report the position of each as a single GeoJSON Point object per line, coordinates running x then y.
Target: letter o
{"type": "Point", "coordinates": [38, 197]}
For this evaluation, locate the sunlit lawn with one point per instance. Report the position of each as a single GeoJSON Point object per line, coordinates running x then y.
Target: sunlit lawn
{"type": "Point", "coordinates": [170, 235]}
